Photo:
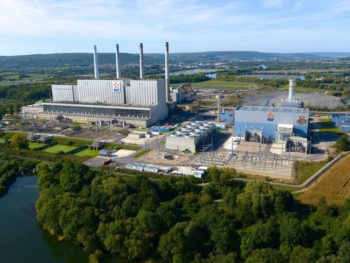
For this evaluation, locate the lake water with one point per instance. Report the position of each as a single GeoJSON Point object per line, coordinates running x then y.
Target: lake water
{"type": "Point", "coordinates": [21, 237]}
{"type": "Point", "coordinates": [269, 76]}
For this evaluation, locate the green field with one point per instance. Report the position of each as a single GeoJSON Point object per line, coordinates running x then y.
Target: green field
{"type": "Point", "coordinates": [304, 170]}
{"type": "Point", "coordinates": [59, 148]}
{"type": "Point", "coordinates": [87, 153]}
{"type": "Point", "coordinates": [142, 153]}
{"type": "Point", "coordinates": [35, 145]}
{"type": "Point", "coordinates": [225, 85]}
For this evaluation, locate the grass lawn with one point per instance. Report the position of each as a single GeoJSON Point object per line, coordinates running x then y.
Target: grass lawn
{"type": "Point", "coordinates": [35, 145]}
{"type": "Point", "coordinates": [142, 153]}
{"type": "Point", "coordinates": [304, 170]}
{"type": "Point", "coordinates": [112, 146]}
{"type": "Point", "coordinates": [59, 148]}
{"type": "Point", "coordinates": [2, 140]}
{"type": "Point", "coordinates": [226, 85]}
{"type": "Point", "coordinates": [87, 153]}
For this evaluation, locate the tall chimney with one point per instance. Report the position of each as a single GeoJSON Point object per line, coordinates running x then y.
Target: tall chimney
{"type": "Point", "coordinates": [141, 61]}
{"type": "Point", "coordinates": [166, 66]}
{"type": "Point", "coordinates": [97, 75]}
{"type": "Point", "coordinates": [117, 62]}
{"type": "Point", "coordinates": [291, 90]}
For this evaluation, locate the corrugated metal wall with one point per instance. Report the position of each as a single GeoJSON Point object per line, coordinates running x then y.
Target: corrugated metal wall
{"type": "Point", "coordinates": [101, 91]}
{"type": "Point", "coordinates": [268, 121]}
{"type": "Point", "coordinates": [62, 92]}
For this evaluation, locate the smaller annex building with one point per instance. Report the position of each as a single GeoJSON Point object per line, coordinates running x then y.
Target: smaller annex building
{"type": "Point", "coordinates": [269, 124]}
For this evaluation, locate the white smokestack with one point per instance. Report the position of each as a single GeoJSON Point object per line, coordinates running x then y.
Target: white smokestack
{"type": "Point", "coordinates": [141, 61]}
{"type": "Point", "coordinates": [117, 62]}
{"type": "Point", "coordinates": [291, 90]}
{"type": "Point", "coordinates": [166, 73]}
{"type": "Point", "coordinates": [97, 75]}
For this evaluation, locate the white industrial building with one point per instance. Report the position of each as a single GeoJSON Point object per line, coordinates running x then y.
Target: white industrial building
{"type": "Point", "coordinates": [193, 137]}
{"type": "Point", "coordinates": [138, 102]}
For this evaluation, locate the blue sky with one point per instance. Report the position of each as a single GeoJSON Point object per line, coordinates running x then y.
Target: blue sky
{"type": "Point", "coordinates": [54, 26]}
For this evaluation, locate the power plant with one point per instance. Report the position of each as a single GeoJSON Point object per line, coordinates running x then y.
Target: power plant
{"type": "Point", "coordinates": [140, 102]}
{"type": "Point", "coordinates": [286, 125]}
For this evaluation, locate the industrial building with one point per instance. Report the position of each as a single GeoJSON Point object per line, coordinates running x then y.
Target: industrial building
{"type": "Point", "coordinates": [138, 102]}
{"type": "Point", "coordinates": [193, 137]}
{"type": "Point", "coordinates": [272, 124]}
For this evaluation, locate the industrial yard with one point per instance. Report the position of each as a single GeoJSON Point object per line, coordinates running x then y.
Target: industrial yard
{"type": "Point", "coordinates": [264, 136]}
{"type": "Point", "coordinates": [309, 99]}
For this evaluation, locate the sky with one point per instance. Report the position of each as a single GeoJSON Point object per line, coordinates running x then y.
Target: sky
{"type": "Point", "coordinates": [59, 26]}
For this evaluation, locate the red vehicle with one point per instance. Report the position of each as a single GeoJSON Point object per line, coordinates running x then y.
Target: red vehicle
{"type": "Point", "coordinates": [107, 162]}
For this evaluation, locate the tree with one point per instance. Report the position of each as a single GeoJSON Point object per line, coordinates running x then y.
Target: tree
{"type": "Point", "coordinates": [18, 142]}
{"type": "Point", "coordinates": [291, 231]}
{"type": "Point", "coordinates": [302, 255]}
{"type": "Point", "coordinates": [259, 236]}
{"type": "Point", "coordinates": [342, 144]}
{"type": "Point", "coordinates": [256, 200]}
{"type": "Point", "coordinates": [267, 255]}
{"type": "Point", "coordinates": [70, 177]}
{"type": "Point", "coordinates": [11, 109]}
{"type": "Point", "coordinates": [173, 245]}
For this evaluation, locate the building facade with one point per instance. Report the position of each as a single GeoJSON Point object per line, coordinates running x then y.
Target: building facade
{"type": "Point", "coordinates": [265, 123]}
{"type": "Point", "coordinates": [138, 102]}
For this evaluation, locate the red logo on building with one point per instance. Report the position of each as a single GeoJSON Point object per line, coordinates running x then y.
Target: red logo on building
{"type": "Point", "coordinates": [270, 116]}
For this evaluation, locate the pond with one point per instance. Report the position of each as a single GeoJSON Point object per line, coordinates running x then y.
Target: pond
{"type": "Point", "coordinates": [21, 237]}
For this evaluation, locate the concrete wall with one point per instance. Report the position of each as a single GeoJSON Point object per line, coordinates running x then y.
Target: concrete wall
{"type": "Point", "coordinates": [180, 144]}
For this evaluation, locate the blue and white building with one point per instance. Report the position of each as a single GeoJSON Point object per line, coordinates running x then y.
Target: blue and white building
{"type": "Point", "coordinates": [271, 124]}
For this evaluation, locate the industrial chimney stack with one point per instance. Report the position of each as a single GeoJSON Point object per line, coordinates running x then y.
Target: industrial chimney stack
{"type": "Point", "coordinates": [97, 75]}
{"type": "Point", "coordinates": [141, 61]}
{"type": "Point", "coordinates": [117, 62]}
{"type": "Point", "coordinates": [291, 90]}
{"type": "Point", "coordinates": [166, 65]}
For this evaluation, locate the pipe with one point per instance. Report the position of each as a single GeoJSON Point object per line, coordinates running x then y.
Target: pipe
{"type": "Point", "coordinates": [97, 74]}
{"type": "Point", "coordinates": [141, 62]}
{"type": "Point", "coordinates": [166, 73]}
{"type": "Point", "coordinates": [117, 62]}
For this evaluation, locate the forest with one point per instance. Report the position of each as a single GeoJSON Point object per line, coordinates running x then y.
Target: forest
{"type": "Point", "coordinates": [13, 96]}
{"type": "Point", "coordinates": [188, 78]}
{"type": "Point", "coordinates": [177, 220]}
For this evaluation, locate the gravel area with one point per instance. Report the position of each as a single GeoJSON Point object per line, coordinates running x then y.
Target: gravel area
{"type": "Point", "coordinates": [309, 99]}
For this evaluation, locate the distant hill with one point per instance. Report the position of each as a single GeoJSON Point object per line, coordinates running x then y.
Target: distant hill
{"type": "Point", "coordinates": [83, 61]}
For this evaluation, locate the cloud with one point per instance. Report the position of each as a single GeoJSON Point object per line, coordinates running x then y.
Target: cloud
{"type": "Point", "coordinates": [274, 3]}
{"type": "Point", "coordinates": [191, 24]}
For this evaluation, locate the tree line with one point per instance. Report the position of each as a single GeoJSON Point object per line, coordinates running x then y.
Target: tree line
{"type": "Point", "coordinates": [176, 220]}
{"type": "Point", "coordinates": [188, 78]}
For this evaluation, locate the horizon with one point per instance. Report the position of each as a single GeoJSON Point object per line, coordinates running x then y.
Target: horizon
{"type": "Point", "coordinates": [269, 26]}
{"type": "Point", "coordinates": [185, 52]}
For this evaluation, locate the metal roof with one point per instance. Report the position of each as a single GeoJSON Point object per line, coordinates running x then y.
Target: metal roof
{"type": "Point", "coordinates": [274, 109]}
